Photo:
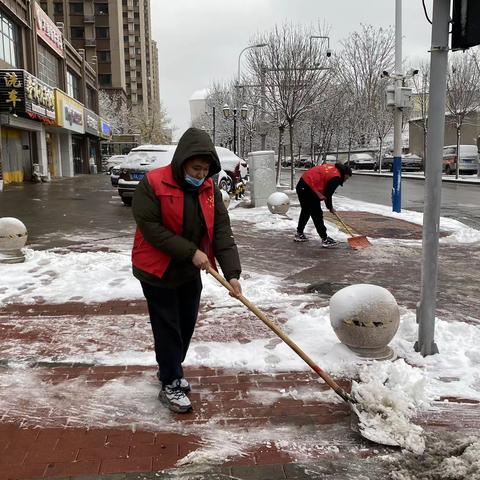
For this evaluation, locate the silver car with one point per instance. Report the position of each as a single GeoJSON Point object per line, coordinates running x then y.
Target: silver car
{"type": "Point", "coordinates": [467, 160]}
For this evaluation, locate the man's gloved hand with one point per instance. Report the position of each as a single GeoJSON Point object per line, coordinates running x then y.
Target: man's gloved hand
{"type": "Point", "coordinates": [237, 288]}
{"type": "Point", "coordinates": [332, 210]}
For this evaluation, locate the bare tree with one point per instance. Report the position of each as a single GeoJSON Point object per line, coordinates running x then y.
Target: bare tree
{"type": "Point", "coordinates": [154, 127]}
{"type": "Point", "coordinates": [366, 54]}
{"type": "Point", "coordinates": [381, 120]}
{"type": "Point", "coordinates": [421, 87]}
{"type": "Point", "coordinates": [295, 71]}
{"type": "Point", "coordinates": [113, 108]}
{"type": "Point", "coordinates": [463, 98]}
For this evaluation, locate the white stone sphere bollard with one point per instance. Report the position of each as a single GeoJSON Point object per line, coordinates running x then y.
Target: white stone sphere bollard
{"type": "Point", "coordinates": [365, 318]}
{"type": "Point", "coordinates": [278, 203]}
{"type": "Point", "coordinates": [13, 237]}
{"type": "Point", "coordinates": [225, 198]}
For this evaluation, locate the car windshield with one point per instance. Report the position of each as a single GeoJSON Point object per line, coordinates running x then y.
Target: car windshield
{"type": "Point", "coordinates": [149, 157]}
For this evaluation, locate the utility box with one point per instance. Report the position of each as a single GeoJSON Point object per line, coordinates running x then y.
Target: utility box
{"type": "Point", "coordinates": [262, 176]}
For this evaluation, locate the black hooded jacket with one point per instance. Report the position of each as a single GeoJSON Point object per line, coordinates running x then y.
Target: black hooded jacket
{"type": "Point", "coordinates": [181, 248]}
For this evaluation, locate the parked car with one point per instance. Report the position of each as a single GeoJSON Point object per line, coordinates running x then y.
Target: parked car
{"type": "Point", "coordinates": [113, 161]}
{"type": "Point", "coordinates": [362, 161]}
{"type": "Point", "coordinates": [235, 167]}
{"type": "Point", "coordinates": [468, 159]}
{"type": "Point", "coordinates": [303, 162]}
{"type": "Point", "coordinates": [410, 162]}
{"type": "Point", "coordinates": [144, 158]}
{"type": "Point", "coordinates": [115, 174]}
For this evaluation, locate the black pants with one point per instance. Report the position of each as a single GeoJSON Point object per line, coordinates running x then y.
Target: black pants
{"type": "Point", "coordinates": [310, 207]}
{"type": "Point", "coordinates": [173, 314]}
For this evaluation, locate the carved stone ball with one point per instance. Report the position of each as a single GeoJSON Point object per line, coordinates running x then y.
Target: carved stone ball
{"type": "Point", "coordinates": [225, 198]}
{"type": "Point", "coordinates": [13, 237]}
{"type": "Point", "coordinates": [365, 318]}
{"type": "Point", "coordinates": [278, 203]}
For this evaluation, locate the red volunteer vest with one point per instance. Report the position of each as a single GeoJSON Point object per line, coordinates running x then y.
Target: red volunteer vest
{"type": "Point", "coordinates": [150, 259]}
{"type": "Point", "coordinates": [317, 177]}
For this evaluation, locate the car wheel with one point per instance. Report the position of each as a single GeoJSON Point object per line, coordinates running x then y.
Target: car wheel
{"type": "Point", "coordinates": [127, 201]}
{"type": "Point", "coordinates": [226, 183]}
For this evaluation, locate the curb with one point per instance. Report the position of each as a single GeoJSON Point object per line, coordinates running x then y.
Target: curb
{"type": "Point", "coordinates": [416, 177]}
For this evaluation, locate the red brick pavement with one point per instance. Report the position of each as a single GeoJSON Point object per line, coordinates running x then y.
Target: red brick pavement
{"type": "Point", "coordinates": [60, 450]}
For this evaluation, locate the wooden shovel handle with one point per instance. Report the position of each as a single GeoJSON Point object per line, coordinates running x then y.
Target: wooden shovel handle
{"type": "Point", "coordinates": [254, 309]}
{"type": "Point", "coordinates": [344, 224]}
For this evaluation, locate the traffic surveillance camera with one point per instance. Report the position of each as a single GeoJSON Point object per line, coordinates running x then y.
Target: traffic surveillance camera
{"type": "Point", "coordinates": [329, 53]}
{"type": "Point", "coordinates": [415, 71]}
{"type": "Point", "coordinates": [385, 74]}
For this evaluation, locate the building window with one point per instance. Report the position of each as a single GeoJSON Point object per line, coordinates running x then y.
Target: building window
{"type": "Point", "coordinates": [8, 41]}
{"type": "Point", "coordinates": [104, 56]}
{"type": "Point", "coordinates": [77, 32]}
{"type": "Point", "coordinates": [102, 32]}
{"type": "Point", "coordinates": [76, 8]}
{"type": "Point", "coordinates": [105, 79]}
{"type": "Point", "coordinates": [58, 8]}
{"type": "Point", "coordinates": [101, 9]}
{"type": "Point", "coordinates": [91, 99]}
{"type": "Point", "coordinates": [73, 85]}
{"type": "Point", "coordinates": [47, 66]}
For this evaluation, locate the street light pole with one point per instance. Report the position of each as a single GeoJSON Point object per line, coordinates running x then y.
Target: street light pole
{"type": "Point", "coordinates": [234, 130]}
{"type": "Point", "coordinates": [433, 178]}
{"type": "Point", "coordinates": [397, 116]}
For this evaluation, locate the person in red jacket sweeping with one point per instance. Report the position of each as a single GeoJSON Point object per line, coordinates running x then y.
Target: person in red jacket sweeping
{"type": "Point", "coordinates": [182, 227]}
{"type": "Point", "coordinates": [316, 185]}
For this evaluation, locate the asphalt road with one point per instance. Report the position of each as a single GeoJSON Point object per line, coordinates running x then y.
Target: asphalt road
{"type": "Point", "coordinates": [459, 201]}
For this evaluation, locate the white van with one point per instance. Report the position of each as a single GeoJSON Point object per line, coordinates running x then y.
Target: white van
{"type": "Point", "coordinates": [468, 162]}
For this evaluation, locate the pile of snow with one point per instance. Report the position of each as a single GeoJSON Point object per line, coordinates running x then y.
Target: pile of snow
{"type": "Point", "coordinates": [388, 394]}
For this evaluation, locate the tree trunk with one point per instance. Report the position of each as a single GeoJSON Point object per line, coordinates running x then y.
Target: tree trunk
{"type": "Point", "coordinates": [457, 166]}
{"type": "Point", "coordinates": [279, 158]}
{"type": "Point", "coordinates": [380, 156]}
{"type": "Point", "coordinates": [292, 166]}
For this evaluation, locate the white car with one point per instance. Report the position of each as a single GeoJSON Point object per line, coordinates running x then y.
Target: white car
{"type": "Point", "coordinates": [144, 158]}
{"type": "Point", "coordinates": [113, 161]}
{"type": "Point", "coordinates": [362, 161]}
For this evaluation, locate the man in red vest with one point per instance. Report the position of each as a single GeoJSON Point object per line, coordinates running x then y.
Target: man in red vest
{"type": "Point", "coordinates": [182, 226]}
{"type": "Point", "coordinates": [316, 185]}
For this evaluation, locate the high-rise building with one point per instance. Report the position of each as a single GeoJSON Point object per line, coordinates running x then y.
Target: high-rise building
{"type": "Point", "coordinates": [118, 33]}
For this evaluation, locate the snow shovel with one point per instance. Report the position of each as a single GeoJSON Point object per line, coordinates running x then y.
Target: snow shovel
{"type": "Point", "coordinates": [355, 241]}
{"type": "Point", "coordinates": [353, 403]}
{"type": "Point", "coordinates": [357, 409]}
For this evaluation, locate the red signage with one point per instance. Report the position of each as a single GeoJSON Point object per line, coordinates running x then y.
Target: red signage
{"type": "Point", "coordinates": [48, 31]}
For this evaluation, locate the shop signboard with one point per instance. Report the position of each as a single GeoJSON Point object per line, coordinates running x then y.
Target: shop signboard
{"type": "Point", "coordinates": [92, 123]}
{"type": "Point", "coordinates": [105, 129]}
{"type": "Point", "coordinates": [23, 94]}
{"type": "Point", "coordinates": [69, 112]}
{"type": "Point", "coordinates": [48, 31]}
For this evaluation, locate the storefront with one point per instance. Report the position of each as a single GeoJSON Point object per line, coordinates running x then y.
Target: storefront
{"type": "Point", "coordinates": [27, 104]}
{"type": "Point", "coordinates": [92, 131]}
{"type": "Point", "coordinates": [70, 117]}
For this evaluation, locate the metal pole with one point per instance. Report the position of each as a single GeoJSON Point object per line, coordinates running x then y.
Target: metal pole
{"type": "Point", "coordinates": [235, 131]}
{"type": "Point", "coordinates": [433, 178]}
{"type": "Point", "coordinates": [397, 116]}
{"type": "Point", "coordinates": [263, 135]}
{"type": "Point", "coordinates": [213, 125]}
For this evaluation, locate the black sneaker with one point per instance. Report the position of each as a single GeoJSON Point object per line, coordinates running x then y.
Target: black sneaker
{"type": "Point", "coordinates": [173, 397]}
{"type": "Point", "coordinates": [329, 242]}
{"type": "Point", "coordinates": [184, 385]}
{"type": "Point", "coordinates": [300, 237]}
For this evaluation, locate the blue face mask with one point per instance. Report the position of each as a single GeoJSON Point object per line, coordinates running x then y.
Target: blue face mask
{"type": "Point", "coordinates": [195, 182]}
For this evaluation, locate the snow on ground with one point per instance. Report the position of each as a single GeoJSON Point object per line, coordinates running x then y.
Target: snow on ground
{"type": "Point", "coordinates": [62, 276]}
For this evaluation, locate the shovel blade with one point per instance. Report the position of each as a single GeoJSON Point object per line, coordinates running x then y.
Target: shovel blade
{"type": "Point", "coordinates": [359, 241]}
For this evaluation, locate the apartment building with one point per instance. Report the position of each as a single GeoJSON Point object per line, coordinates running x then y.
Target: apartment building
{"type": "Point", "coordinates": [49, 123]}
{"type": "Point", "coordinates": [118, 34]}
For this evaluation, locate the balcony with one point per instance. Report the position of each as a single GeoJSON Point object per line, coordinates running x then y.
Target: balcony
{"type": "Point", "coordinates": [89, 19]}
{"type": "Point", "coordinates": [90, 42]}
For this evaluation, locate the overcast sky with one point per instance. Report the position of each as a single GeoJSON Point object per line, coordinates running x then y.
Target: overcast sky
{"type": "Point", "coordinates": [199, 40]}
